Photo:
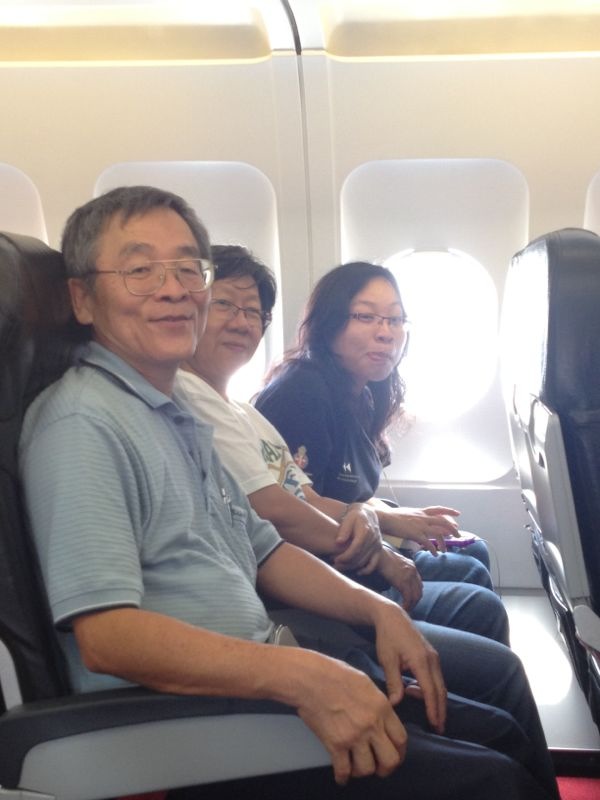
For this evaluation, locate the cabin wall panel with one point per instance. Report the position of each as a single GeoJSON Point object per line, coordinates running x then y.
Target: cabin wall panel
{"type": "Point", "coordinates": [67, 124]}
{"type": "Point", "coordinates": [538, 114]}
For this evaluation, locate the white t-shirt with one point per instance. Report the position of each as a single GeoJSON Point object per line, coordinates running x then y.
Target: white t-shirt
{"type": "Point", "coordinates": [248, 445]}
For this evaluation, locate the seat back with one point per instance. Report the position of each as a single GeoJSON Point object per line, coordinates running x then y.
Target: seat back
{"type": "Point", "coordinates": [37, 336]}
{"type": "Point", "coordinates": [551, 372]}
{"type": "Point", "coordinates": [20, 203]}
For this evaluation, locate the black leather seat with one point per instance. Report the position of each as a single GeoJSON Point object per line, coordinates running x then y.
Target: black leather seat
{"type": "Point", "coordinates": [101, 744]}
{"type": "Point", "coordinates": [551, 372]}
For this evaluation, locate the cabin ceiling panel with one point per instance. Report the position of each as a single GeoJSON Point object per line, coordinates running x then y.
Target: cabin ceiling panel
{"type": "Point", "coordinates": [410, 28]}
{"type": "Point", "coordinates": [140, 30]}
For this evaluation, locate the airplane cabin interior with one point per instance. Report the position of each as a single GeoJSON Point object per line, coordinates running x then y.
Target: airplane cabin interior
{"type": "Point", "coordinates": [457, 144]}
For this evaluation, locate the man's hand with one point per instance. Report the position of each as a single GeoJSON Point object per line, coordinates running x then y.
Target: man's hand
{"type": "Point", "coordinates": [359, 540]}
{"type": "Point", "coordinates": [421, 525]}
{"type": "Point", "coordinates": [401, 648]}
{"type": "Point", "coordinates": [401, 573]}
{"type": "Point", "coordinates": [350, 715]}
{"type": "Point", "coordinates": [353, 719]}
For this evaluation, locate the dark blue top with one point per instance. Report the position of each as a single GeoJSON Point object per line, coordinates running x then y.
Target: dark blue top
{"type": "Point", "coordinates": [326, 439]}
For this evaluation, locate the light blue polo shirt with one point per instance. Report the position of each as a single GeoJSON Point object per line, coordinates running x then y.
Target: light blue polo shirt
{"type": "Point", "coordinates": [129, 506]}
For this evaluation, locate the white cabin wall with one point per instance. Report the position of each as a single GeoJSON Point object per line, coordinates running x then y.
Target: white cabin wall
{"type": "Point", "coordinates": [69, 123]}
{"type": "Point", "coordinates": [66, 124]}
{"type": "Point", "coordinates": [536, 113]}
{"type": "Point", "coordinates": [81, 119]}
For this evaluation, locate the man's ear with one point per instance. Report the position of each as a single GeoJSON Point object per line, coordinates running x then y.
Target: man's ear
{"type": "Point", "coordinates": [81, 300]}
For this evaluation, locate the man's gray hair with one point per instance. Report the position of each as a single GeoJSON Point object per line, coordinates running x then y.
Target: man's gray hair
{"type": "Point", "coordinates": [85, 226]}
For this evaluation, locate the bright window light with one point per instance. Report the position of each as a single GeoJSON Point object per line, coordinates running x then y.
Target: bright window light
{"type": "Point", "coordinates": [248, 380]}
{"type": "Point", "coordinates": [452, 305]}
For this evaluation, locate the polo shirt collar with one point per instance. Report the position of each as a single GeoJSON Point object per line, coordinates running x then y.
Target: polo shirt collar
{"type": "Point", "coordinates": [98, 356]}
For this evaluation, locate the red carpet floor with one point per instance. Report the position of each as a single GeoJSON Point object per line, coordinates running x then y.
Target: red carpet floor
{"type": "Point", "coordinates": [579, 788]}
{"type": "Point", "coordinates": [570, 789]}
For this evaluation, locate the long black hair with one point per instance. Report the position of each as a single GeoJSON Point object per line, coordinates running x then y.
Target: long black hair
{"type": "Point", "coordinates": [325, 316]}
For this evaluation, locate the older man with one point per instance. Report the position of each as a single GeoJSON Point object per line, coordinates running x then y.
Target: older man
{"type": "Point", "coordinates": [151, 554]}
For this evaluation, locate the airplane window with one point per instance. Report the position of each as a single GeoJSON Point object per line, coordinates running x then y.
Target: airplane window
{"type": "Point", "coordinates": [450, 369]}
{"type": "Point", "coordinates": [591, 219]}
{"type": "Point", "coordinates": [452, 305]}
{"type": "Point", "coordinates": [20, 204]}
{"type": "Point", "coordinates": [447, 228]}
{"type": "Point", "coordinates": [249, 380]}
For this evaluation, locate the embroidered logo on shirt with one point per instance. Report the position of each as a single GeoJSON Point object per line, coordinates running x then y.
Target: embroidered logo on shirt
{"type": "Point", "coordinates": [271, 453]}
{"type": "Point", "coordinates": [291, 483]}
{"type": "Point", "coordinates": [300, 457]}
{"type": "Point", "coordinates": [346, 475]}
{"type": "Point", "coordinates": [279, 460]}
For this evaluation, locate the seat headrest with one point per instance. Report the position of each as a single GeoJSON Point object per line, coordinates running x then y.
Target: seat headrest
{"type": "Point", "coordinates": [32, 282]}
{"type": "Point", "coordinates": [36, 319]}
{"type": "Point", "coordinates": [551, 320]}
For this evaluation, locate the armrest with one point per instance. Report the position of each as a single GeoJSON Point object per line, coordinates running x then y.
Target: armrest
{"type": "Point", "coordinates": [135, 740]}
{"type": "Point", "coordinates": [587, 627]}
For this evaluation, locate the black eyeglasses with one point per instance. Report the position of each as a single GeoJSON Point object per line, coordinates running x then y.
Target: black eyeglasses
{"type": "Point", "coordinates": [194, 274]}
{"type": "Point", "coordinates": [253, 316]}
{"type": "Point", "coordinates": [394, 322]}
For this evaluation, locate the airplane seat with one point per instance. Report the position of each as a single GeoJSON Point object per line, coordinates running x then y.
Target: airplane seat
{"type": "Point", "coordinates": [550, 357]}
{"type": "Point", "coordinates": [32, 317]}
{"type": "Point", "coordinates": [111, 743]}
{"type": "Point", "coordinates": [20, 204]}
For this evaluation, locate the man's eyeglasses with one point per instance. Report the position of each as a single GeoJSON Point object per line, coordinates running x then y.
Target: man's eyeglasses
{"type": "Point", "coordinates": [395, 323]}
{"type": "Point", "coordinates": [194, 274]}
{"type": "Point", "coordinates": [254, 317]}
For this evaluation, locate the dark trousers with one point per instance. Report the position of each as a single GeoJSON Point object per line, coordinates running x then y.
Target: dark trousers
{"type": "Point", "coordinates": [435, 768]}
{"type": "Point", "coordinates": [493, 747]}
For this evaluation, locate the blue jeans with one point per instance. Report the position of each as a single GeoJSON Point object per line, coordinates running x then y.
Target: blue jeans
{"type": "Point", "coordinates": [490, 705]}
{"type": "Point", "coordinates": [489, 673]}
{"type": "Point", "coordinates": [493, 747]}
{"type": "Point", "coordinates": [467, 565]}
{"type": "Point", "coordinates": [462, 606]}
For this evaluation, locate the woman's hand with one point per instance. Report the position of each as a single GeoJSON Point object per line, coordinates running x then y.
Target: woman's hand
{"type": "Point", "coordinates": [359, 541]}
{"type": "Point", "coordinates": [428, 527]}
